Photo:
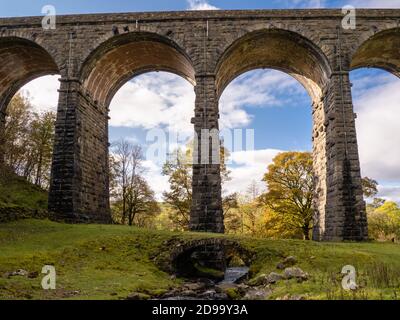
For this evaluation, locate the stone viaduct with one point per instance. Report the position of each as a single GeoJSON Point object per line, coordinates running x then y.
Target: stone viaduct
{"type": "Point", "coordinates": [96, 54]}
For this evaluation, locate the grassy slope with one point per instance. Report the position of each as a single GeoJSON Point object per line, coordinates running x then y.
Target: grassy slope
{"type": "Point", "coordinates": [17, 192]}
{"type": "Point", "coordinates": [109, 262]}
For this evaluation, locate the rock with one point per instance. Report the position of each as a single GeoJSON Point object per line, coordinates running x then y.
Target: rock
{"type": "Point", "coordinates": [280, 266]}
{"type": "Point", "coordinates": [220, 296]}
{"type": "Point", "coordinates": [208, 283]}
{"type": "Point", "coordinates": [19, 272]}
{"type": "Point", "coordinates": [264, 279]}
{"type": "Point", "coordinates": [231, 290]}
{"type": "Point", "coordinates": [274, 277]}
{"type": "Point", "coordinates": [288, 262]}
{"type": "Point", "coordinates": [257, 294]}
{"type": "Point", "coordinates": [295, 272]}
{"type": "Point", "coordinates": [295, 297]}
{"type": "Point", "coordinates": [222, 287]}
{"type": "Point", "coordinates": [208, 295]}
{"type": "Point", "coordinates": [33, 275]}
{"type": "Point", "coordinates": [172, 293]}
{"type": "Point", "coordinates": [259, 280]}
{"type": "Point", "coordinates": [196, 286]}
{"type": "Point", "coordinates": [138, 296]}
{"type": "Point", "coordinates": [188, 293]}
{"type": "Point", "coordinates": [233, 293]}
{"type": "Point", "coordinates": [243, 287]}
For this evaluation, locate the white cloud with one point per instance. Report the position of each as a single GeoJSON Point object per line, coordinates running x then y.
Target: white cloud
{"type": "Point", "coordinates": [389, 193]}
{"type": "Point", "coordinates": [200, 5]}
{"type": "Point", "coordinates": [43, 93]}
{"type": "Point", "coordinates": [378, 118]}
{"type": "Point", "coordinates": [157, 181]}
{"type": "Point", "coordinates": [258, 89]}
{"type": "Point", "coordinates": [154, 100]}
{"type": "Point", "coordinates": [248, 166]}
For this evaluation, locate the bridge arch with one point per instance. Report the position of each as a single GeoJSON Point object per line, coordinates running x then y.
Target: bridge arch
{"type": "Point", "coordinates": [380, 50]}
{"type": "Point", "coordinates": [87, 97]}
{"type": "Point", "coordinates": [123, 57]}
{"type": "Point", "coordinates": [22, 61]}
{"type": "Point", "coordinates": [300, 58]}
{"type": "Point", "coordinates": [277, 49]}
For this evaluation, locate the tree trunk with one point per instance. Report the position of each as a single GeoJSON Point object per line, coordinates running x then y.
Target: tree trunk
{"type": "Point", "coordinates": [306, 232]}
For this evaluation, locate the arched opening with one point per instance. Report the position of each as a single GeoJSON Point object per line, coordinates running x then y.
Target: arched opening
{"type": "Point", "coordinates": [126, 56]}
{"type": "Point", "coordinates": [375, 90]}
{"type": "Point", "coordinates": [276, 49]}
{"type": "Point", "coordinates": [296, 64]}
{"type": "Point", "coordinates": [144, 83]}
{"type": "Point", "coordinates": [28, 104]}
{"type": "Point", "coordinates": [21, 62]}
{"type": "Point", "coordinates": [379, 51]}
{"type": "Point", "coordinates": [152, 114]}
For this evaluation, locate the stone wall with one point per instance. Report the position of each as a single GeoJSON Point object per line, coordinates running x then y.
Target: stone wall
{"type": "Point", "coordinates": [93, 55]}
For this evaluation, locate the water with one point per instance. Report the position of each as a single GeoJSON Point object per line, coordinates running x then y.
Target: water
{"type": "Point", "coordinates": [233, 275]}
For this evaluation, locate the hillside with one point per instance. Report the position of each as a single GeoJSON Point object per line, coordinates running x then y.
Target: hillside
{"type": "Point", "coordinates": [111, 262]}
{"type": "Point", "coordinates": [20, 198]}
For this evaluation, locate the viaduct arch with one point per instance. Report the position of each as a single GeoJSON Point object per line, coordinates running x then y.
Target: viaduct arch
{"type": "Point", "coordinates": [96, 54]}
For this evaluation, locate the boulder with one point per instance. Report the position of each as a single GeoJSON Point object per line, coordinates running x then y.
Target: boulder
{"type": "Point", "coordinates": [222, 287]}
{"type": "Point", "coordinates": [264, 279]}
{"type": "Point", "coordinates": [294, 297]}
{"type": "Point", "coordinates": [288, 262]}
{"type": "Point", "coordinates": [257, 294]}
{"type": "Point", "coordinates": [296, 273]}
{"type": "Point", "coordinates": [138, 296]}
{"type": "Point", "coordinates": [196, 286]}
{"type": "Point", "coordinates": [259, 280]}
{"type": "Point", "coordinates": [274, 277]}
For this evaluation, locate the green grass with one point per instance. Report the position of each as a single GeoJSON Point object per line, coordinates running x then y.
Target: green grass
{"type": "Point", "coordinates": [110, 262]}
{"type": "Point", "coordinates": [17, 192]}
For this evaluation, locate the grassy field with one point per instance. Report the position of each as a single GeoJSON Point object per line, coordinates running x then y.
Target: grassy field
{"type": "Point", "coordinates": [110, 262]}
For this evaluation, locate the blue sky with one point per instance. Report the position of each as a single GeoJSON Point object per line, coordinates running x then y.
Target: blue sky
{"type": "Point", "coordinates": [278, 108]}
{"type": "Point", "coordinates": [33, 7]}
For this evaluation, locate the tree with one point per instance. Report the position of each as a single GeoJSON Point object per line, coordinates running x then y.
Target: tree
{"type": "Point", "coordinates": [370, 187]}
{"type": "Point", "coordinates": [290, 192]}
{"type": "Point", "coordinates": [41, 146]}
{"type": "Point", "coordinates": [134, 201]}
{"type": "Point", "coordinates": [384, 222]}
{"type": "Point", "coordinates": [232, 220]}
{"type": "Point", "coordinates": [16, 133]}
{"type": "Point", "coordinates": [179, 197]}
{"type": "Point", "coordinates": [178, 168]}
{"type": "Point", "coordinates": [140, 201]}
{"type": "Point", "coordinates": [28, 141]}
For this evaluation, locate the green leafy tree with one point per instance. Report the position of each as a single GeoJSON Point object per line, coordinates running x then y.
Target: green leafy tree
{"type": "Point", "coordinates": [290, 183]}
{"type": "Point", "coordinates": [370, 187]}
{"type": "Point", "coordinates": [179, 197]}
{"type": "Point", "coordinates": [178, 169]}
{"type": "Point", "coordinates": [28, 141]}
{"type": "Point", "coordinates": [384, 222]}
